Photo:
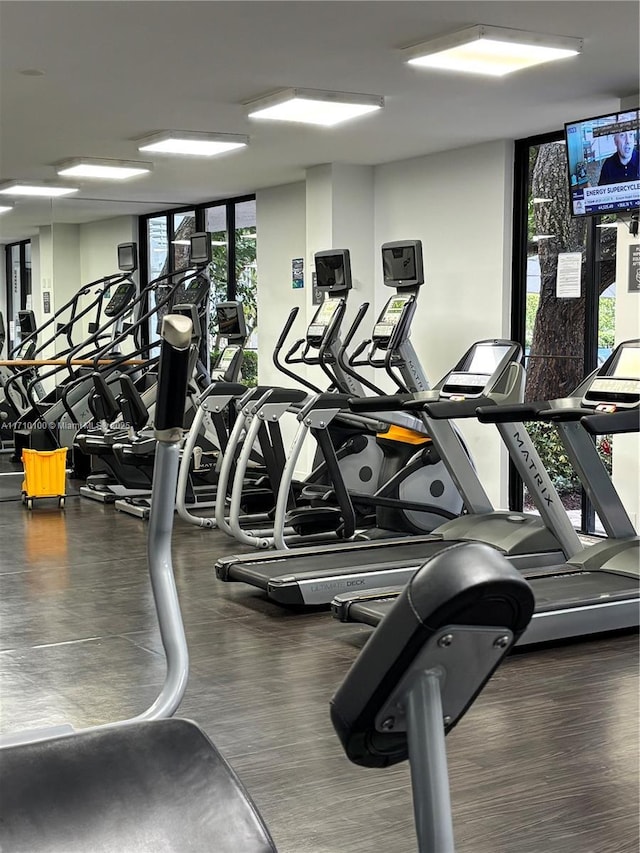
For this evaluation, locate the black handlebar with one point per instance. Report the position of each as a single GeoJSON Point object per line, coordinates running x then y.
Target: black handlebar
{"type": "Point", "coordinates": [612, 423]}
{"type": "Point", "coordinates": [173, 376]}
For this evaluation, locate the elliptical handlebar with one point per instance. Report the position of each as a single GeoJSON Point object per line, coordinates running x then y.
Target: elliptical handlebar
{"type": "Point", "coordinates": [347, 363]}
{"type": "Point", "coordinates": [289, 356]}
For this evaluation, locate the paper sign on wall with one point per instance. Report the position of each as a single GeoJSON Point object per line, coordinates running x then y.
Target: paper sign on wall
{"type": "Point", "coordinates": [634, 268]}
{"type": "Point", "coordinates": [297, 273]}
{"type": "Point", "coordinates": [568, 275]}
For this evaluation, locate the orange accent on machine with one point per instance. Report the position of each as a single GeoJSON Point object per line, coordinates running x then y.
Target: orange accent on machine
{"type": "Point", "coordinates": [407, 436]}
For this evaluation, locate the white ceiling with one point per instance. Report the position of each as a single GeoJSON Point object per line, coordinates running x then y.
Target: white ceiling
{"type": "Point", "coordinates": [114, 71]}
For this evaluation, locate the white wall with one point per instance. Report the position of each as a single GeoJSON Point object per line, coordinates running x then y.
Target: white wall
{"type": "Point", "coordinates": [98, 242]}
{"type": "Point", "coordinates": [459, 204]}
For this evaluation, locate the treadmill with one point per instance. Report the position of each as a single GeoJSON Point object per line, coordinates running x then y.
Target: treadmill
{"type": "Point", "coordinates": [597, 589]}
{"type": "Point", "coordinates": [489, 372]}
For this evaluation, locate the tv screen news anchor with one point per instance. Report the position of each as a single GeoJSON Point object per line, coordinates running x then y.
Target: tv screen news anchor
{"type": "Point", "coordinates": [623, 164]}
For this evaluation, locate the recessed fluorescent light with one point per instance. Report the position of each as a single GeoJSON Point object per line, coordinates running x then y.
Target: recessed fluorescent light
{"type": "Point", "coordinates": [191, 143]}
{"type": "Point", "coordinates": [38, 190]}
{"type": "Point", "coordinates": [115, 170]}
{"type": "Point", "coordinates": [313, 106]}
{"type": "Point", "coordinates": [542, 200]}
{"type": "Point", "coordinates": [491, 50]}
{"type": "Point", "coordinates": [5, 208]}
{"type": "Point", "coordinates": [607, 225]}
{"type": "Point", "coordinates": [537, 237]}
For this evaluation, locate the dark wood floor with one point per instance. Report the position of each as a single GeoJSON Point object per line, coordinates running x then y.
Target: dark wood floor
{"type": "Point", "coordinates": [545, 762]}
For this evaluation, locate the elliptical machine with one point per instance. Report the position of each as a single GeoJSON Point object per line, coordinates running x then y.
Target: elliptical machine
{"type": "Point", "coordinates": [413, 492]}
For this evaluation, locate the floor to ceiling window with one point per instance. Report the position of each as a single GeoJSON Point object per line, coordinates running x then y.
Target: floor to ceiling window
{"type": "Point", "coordinates": [233, 271]}
{"type": "Point", "coordinates": [18, 295]}
{"type": "Point", "coordinates": [565, 323]}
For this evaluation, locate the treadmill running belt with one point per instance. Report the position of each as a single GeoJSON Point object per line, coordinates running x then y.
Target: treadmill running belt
{"type": "Point", "coordinates": [556, 592]}
{"type": "Point", "coordinates": [396, 557]}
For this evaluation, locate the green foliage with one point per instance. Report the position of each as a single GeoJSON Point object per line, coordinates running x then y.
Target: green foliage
{"type": "Point", "coordinates": [250, 368]}
{"type": "Point", "coordinates": [249, 372]}
{"type": "Point", "coordinates": [533, 301]}
{"type": "Point", "coordinates": [246, 275]}
{"type": "Point", "coordinates": [554, 458]}
{"type": "Point", "coordinates": [606, 321]}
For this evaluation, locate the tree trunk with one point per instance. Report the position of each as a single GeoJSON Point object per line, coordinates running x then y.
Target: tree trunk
{"type": "Point", "coordinates": [556, 363]}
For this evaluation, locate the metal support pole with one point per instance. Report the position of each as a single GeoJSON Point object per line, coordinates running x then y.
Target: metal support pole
{"type": "Point", "coordinates": [164, 585]}
{"type": "Point", "coordinates": [428, 761]}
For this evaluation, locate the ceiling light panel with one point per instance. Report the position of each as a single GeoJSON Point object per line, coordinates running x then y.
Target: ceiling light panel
{"type": "Point", "coordinates": [110, 170]}
{"type": "Point", "coordinates": [191, 143]}
{"type": "Point", "coordinates": [313, 106]}
{"type": "Point", "coordinates": [5, 208]}
{"type": "Point", "coordinates": [494, 51]}
{"type": "Point", "coordinates": [25, 188]}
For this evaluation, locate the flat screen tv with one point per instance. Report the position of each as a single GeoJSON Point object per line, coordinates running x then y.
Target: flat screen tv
{"type": "Point", "coordinates": [602, 156]}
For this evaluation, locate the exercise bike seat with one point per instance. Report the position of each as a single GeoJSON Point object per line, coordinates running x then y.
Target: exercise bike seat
{"type": "Point", "coordinates": [149, 786]}
{"type": "Point", "coordinates": [469, 585]}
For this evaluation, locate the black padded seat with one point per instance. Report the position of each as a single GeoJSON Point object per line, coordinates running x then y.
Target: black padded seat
{"type": "Point", "coordinates": [466, 584]}
{"type": "Point", "coordinates": [134, 788]}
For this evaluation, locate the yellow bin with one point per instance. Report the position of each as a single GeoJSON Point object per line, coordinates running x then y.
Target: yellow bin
{"type": "Point", "coordinates": [45, 475]}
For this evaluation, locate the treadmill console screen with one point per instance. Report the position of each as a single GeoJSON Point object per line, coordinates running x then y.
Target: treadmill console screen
{"type": "Point", "coordinates": [476, 374]}
{"type": "Point", "coordinates": [618, 383]}
{"type": "Point", "coordinates": [390, 317]}
{"type": "Point", "coordinates": [333, 270]}
{"type": "Point", "coordinates": [402, 263]}
{"type": "Point", "coordinates": [321, 320]}
{"type": "Point", "coordinates": [120, 299]}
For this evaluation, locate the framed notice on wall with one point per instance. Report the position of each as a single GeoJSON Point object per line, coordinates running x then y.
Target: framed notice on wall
{"type": "Point", "coordinates": [634, 268]}
{"type": "Point", "coordinates": [297, 273]}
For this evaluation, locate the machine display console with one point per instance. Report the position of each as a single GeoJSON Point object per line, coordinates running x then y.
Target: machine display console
{"type": "Point", "coordinates": [228, 354]}
{"type": "Point", "coordinates": [200, 248]}
{"type": "Point", "coordinates": [231, 322]}
{"type": "Point", "coordinates": [478, 371]}
{"type": "Point", "coordinates": [120, 299]}
{"type": "Point", "coordinates": [127, 257]}
{"type": "Point", "coordinates": [196, 290]}
{"type": "Point", "coordinates": [27, 321]}
{"type": "Point", "coordinates": [402, 263]}
{"type": "Point", "coordinates": [618, 381]}
{"type": "Point", "coordinates": [321, 320]}
{"type": "Point", "coordinates": [389, 318]}
{"type": "Point", "coordinates": [333, 270]}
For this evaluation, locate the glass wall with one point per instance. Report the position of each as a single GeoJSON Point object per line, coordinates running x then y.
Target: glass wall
{"type": "Point", "coordinates": [566, 324]}
{"type": "Point", "coordinates": [18, 294]}
{"type": "Point", "coordinates": [233, 269]}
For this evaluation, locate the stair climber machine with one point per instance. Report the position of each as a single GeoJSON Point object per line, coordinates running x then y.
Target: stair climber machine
{"type": "Point", "coordinates": [140, 451]}
{"type": "Point", "coordinates": [121, 453]}
{"type": "Point", "coordinates": [52, 421]}
{"type": "Point", "coordinates": [597, 589]}
{"type": "Point", "coordinates": [24, 388]}
{"type": "Point", "coordinates": [157, 783]}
